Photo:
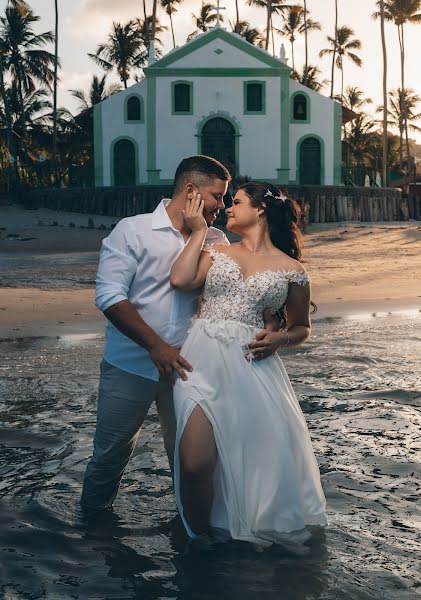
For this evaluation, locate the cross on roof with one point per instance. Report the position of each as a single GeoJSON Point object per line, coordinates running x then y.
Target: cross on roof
{"type": "Point", "coordinates": [218, 9]}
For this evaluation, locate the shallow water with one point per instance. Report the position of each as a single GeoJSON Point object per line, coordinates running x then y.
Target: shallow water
{"type": "Point", "coordinates": [48, 271]}
{"type": "Point", "coordinates": [359, 384]}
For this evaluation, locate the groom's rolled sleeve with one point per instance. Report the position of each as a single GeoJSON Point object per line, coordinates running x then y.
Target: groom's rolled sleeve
{"type": "Point", "coordinates": [116, 269]}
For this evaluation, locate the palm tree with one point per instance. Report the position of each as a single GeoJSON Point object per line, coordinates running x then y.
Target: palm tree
{"type": "Point", "coordinates": [55, 86]}
{"type": "Point", "coordinates": [400, 12]}
{"type": "Point", "coordinates": [272, 7]}
{"type": "Point", "coordinates": [205, 19]}
{"type": "Point", "coordinates": [334, 50]}
{"type": "Point", "coordinates": [145, 28]}
{"type": "Point", "coordinates": [384, 52]}
{"type": "Point", "coordinates": [410, 101]}
{"type": "Point", "coordinates": [310, 78]}
{"type": "Point", "coordinates": [37, 110]}
{"type": "Point", "coordinates": [170, 7]}
{"type": "Point", "coordinates": [294, 24]}
{"type": "Point", "coordinates": [250, 34]}
{"type": "Point", "coordinates": [306, 36]}
{"type": "Point", "coordinates": [237, 18]}
{"type": "Point", "coordinates": [154, 7]}
{"type": "Point", "coordinates": [343, 46]}
{"type": "Point", "coordinates": [22, 7]}
{"type": "Point", "coordinates": [10, 142]}
{"type": "Point", "coordinates": [358, 140]}
{"type": "Point", "coordinates": [29, 64]}
{"type": "Point", "coordinates": [123, 51]}
{"type": "Point", "coordinates": [97, 92]}
{"type": "Point", "coordinates": [354, 98]}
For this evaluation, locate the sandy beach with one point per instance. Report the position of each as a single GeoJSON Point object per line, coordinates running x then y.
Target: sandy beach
{"type": "Point", "coordinates": [355, 269]}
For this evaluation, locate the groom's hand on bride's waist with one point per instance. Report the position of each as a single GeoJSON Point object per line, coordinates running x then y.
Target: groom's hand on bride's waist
{"type": "Point", "coordinates": [168, 359]}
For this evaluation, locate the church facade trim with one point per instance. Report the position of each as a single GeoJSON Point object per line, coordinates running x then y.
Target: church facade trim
{"type": "Point", "coordinates": [235, 102]}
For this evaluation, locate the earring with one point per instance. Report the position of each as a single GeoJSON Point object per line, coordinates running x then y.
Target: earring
{"type": "Point", "coordinates": [258, 218]}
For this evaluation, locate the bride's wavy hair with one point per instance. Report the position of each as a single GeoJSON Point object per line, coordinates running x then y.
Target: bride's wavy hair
{"type": "Point", "coordinates": [283, 217]}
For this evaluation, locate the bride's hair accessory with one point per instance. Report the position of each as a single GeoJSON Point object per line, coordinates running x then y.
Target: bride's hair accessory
{"type": "Point", "coordinates": [282, 198]}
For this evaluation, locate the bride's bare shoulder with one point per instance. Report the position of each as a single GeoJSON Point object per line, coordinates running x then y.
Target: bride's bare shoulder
{"type": "Point", "coordinates": [225, 248]}
{"type": "Point", "coordinates": [290, 264]}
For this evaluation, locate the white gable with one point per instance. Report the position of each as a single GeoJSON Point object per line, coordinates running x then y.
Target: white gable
{"type": "Point", "coordinates": [210, 56]}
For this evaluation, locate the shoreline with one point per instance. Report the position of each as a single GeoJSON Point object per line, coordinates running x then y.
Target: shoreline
{"type": "Point", "coordinates": [47, 270]}
{"type": "Point", "coordinates": [31, 312]}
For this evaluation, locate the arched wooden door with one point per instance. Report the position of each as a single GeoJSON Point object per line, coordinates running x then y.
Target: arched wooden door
{"type": "Point", "coordinates": [218, 141]}
{"type": "Point", "coordinates": [124, 155]}
{"type": "Point", "coordinates": [310, 158]}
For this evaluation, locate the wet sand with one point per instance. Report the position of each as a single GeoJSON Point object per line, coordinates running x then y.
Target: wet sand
{"type": "Point", "coordinates": [48, 271]}
{"type": "Point", "coordinates": [359, 384]}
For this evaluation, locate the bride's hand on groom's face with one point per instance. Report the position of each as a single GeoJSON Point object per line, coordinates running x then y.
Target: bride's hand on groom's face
{"type": "Point", "coordinates": [193, 213]}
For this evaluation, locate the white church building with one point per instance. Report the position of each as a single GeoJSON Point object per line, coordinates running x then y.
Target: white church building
{"type": "Point", "coordinates": [218, 95]}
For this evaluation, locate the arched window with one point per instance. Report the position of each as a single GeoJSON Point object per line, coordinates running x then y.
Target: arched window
{"type": "Point", "coordinates": [182, 98]}
{"type": "Point", "coordinates": [218, 141]}
{"type": "Point", "coordinates": [300, 108]}
{"type": "Point", "coordinates": [134, 109]}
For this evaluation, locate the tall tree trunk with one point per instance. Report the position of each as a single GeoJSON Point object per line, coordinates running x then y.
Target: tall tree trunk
{"type": "Point", "coordinates": [237, 16]}
{"type": "Point", "coordinates": [405, 111]}
{"type": "Point", "coordinates": [401, 102]}
{"type": "Point", "coordinates": [305, 42]}
{"type": "Point", "coordinates": [144, 10]}
{"type": "Point", "coordinates": [334, 49]}
{"type": "Point", "coordinates": [10, 141]}
{"type": "Point", "coordinates": [155, 2]}
{"type": "Point", "coordinates": [292, 52]}
{"type": "Point", "coordinates": [22, 106]}
{"type": "Point", "coordinates": [342, 81]}
{"type": "Point", "coordinates": [273, 36]}
{"type": "Point", "coordinates": [9, 133]}
{"type": "Point", "coordinates": [385, 102]}
{"type": "Point", "coordinates": [172, 30]}
{"type": "Point", "coordinates": [268, 19]}
{"type": "Point", "coordinates": [54, 153]}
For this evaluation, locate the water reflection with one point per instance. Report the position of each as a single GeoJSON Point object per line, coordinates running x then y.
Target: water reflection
{"type": "Point", "coordinates": [359, 386]}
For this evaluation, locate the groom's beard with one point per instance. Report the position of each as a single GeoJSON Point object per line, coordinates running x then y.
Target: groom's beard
{"type": "Point", "coordinates": [211, 216]}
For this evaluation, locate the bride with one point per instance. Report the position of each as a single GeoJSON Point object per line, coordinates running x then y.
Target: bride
{"type": "Point", "coordinates": [243, 459]}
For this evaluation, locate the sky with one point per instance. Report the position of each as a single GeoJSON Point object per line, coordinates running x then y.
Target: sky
{"type": "Point", "coordinates": [83, 24]}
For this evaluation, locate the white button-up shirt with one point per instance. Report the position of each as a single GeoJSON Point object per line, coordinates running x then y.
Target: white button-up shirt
{"type": "Point", "coordinates": [134, 264]}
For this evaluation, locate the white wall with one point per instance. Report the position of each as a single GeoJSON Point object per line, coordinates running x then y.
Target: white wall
{"type": "Point", "coordinates": [259, 142]}
{"type": "Point", "coordinates": [113, 127]}
{"type": "Point", "coordinates": [321, 124]}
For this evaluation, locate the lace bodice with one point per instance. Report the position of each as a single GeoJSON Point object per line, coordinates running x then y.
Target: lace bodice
{"type": "Point", "coordinates": [227, 296]}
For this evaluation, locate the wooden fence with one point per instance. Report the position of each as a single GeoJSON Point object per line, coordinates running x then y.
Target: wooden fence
{"type": "Point", "coordinates": [323, 204]}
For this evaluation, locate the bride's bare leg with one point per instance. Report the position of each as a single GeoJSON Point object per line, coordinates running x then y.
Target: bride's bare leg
{"type": "Point", "coordinates": [197, 463]}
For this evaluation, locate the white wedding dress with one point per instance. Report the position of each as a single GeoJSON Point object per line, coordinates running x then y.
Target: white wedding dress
{"type": "Point", "coordinates": [266, 483]}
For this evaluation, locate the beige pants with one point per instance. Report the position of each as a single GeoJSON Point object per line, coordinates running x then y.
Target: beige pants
{"type": "Point", "coordinates": [124, 400]}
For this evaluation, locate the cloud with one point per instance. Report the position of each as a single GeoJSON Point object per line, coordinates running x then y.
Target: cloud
{"type": "Point", "coordinates": [73, 80]}
{"type": "Point", "coordinates": [92, 18]}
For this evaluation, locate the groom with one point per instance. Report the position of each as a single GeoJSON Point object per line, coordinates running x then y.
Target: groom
{"type": "Point", "coordinates": [147, 323]}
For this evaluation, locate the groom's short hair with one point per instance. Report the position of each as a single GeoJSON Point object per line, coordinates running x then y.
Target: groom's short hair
{"type": "Point", "coordinates": [197, 169]}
